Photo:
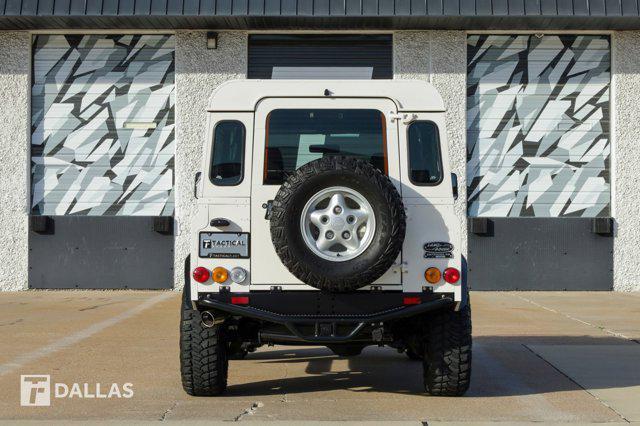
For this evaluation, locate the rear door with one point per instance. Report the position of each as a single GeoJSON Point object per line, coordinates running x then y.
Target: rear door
{"type": "Point", "coordinates": [285, 128]}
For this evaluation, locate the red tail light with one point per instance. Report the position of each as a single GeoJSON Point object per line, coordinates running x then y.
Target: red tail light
{"type": "Point", "coordinates": [451, 275]}
{"type": "Point", "coordinates": [201, 274]}
{"type": "Point", "coordinates": [239, 300]}
{"type": "Point", "coordinates": [412, 300]}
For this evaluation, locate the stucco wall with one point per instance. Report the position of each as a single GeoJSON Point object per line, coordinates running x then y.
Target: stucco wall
{"type": "Point", "coordinates": [626, 158]}
{"type": "Point", "coordinates": [440, 57]}
{"type": "Point", "coordinates": [198, 71]}
{"type": "Point", "coordinates": [15, 52]}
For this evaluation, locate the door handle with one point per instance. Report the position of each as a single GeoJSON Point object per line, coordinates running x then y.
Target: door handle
{"type": "Point", "coordinates": [220, 222]}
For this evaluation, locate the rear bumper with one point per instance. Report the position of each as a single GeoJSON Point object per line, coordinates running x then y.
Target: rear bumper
{"type": "Point", "coordinates": [339, 321]}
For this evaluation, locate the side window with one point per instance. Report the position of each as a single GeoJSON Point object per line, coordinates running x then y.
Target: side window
{"type": "Point", "coordinates": [227, 158]}
{"type": "Point", "coordinates": [425, 164]}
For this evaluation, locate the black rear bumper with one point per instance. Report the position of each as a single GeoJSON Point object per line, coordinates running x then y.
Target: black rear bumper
{"type": "Point", "coordinates": [310, 318]}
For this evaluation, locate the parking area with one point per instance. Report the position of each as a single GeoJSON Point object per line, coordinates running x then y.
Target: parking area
{"type": "Point", "coordinates": [538, 357]}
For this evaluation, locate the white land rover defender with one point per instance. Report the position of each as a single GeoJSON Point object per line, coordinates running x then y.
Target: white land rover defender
{"type": "Point", "coordinates": [326, 217]}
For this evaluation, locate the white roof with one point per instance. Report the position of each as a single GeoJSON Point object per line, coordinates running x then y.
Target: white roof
{"type": "Point", "coordinates": [244, 95]}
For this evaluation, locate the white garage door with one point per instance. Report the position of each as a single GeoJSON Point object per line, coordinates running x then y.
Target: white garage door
{"type": "Point", "coordinates": [103, 125]}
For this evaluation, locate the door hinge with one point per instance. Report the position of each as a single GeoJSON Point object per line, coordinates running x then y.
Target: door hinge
{"type": "Point", "coordinates": [404, 117]}
{"type": "Point", "coordinates": [268, 206]}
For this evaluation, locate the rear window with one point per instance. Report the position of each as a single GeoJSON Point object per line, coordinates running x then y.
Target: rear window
{"type": "Point", "coordinates": [298, 136]}
{"type": "Point", "coordinates": [227, 159]}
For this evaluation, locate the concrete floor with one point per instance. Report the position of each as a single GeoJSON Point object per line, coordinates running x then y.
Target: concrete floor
{"type": "Point", "coordinates": [538, 357]}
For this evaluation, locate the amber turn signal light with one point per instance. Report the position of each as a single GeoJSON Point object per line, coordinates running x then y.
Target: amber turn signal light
{"type": "Point", "coordinates": [220, 275]}
{"type": "Point", "coordinates": [432, 275]}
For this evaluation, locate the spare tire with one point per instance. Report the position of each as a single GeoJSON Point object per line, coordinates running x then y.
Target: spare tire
{"type": "Point", "coordinates": [337, 223]}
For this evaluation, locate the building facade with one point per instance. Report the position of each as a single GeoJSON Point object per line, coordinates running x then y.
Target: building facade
{"type": "Point", "coordinates": [103, 118]}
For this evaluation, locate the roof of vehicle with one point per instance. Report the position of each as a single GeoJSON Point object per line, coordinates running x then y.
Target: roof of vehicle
{"type": "Point", "coordinates": [244, 95]}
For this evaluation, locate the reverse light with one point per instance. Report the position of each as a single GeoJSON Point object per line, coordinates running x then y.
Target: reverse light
{"type": "Point", "coordinates": [201, 274]}
{"type": "Point", "coordinates": [432, 275]}
{"type": "Point", "coordinates": [220, 275]}
{"type": "Point", "coordinates": [238, 275]}
{"type": "Point", "coordinates": [451, 275]}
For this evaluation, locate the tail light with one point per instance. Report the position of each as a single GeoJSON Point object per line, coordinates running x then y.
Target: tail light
{"type": "Point", "coordinates": [220, 275]}
{"type": "Point", "coordinates": [201, 274]}
{"type": "Point", "coordinates": [432, 275]}
{"type": "Point", "coordinates": [451, 275]}
{"type": "Point", "coordinates": [411, 300]}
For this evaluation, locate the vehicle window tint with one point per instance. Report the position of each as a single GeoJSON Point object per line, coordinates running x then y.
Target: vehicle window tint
{"type": "Point", "coordinates": [227, 159]}
{"type": "Point", "coordinates": [298, 136]}
{"type": "Point", "coordinates": [425, 166]}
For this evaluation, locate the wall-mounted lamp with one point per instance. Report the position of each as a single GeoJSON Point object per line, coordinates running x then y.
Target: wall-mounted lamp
{"type": "Point", "coordinates": [212, 40]}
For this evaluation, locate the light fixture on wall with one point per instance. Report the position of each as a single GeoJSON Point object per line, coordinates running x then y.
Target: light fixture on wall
{"type": "Point", "coordinates": [212, 40]}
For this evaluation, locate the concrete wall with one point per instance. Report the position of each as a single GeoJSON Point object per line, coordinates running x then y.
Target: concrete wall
{"type": "Point", "coordinates": [15, 58]}
{"type": "Point", "coordinates": [440, 57]}
{"type": "Point", "coordinates": [626, 158]}
{"type": "Point", "coordinates": [198, 71]}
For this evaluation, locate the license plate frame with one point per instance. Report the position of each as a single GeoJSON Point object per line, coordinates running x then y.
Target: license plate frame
{"type": "Point", "coordinates": [222, 245]}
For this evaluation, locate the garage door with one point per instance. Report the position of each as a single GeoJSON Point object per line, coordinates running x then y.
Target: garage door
{"type": "Point", "coordinates": [320, 56]}
{"type": "Point", "coordinates": [539, 187]}
{"type": "Point", "coordinates": [102, 153]}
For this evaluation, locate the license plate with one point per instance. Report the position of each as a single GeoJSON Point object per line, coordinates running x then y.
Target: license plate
{"type": "Point", "coordinates": [229, 245]}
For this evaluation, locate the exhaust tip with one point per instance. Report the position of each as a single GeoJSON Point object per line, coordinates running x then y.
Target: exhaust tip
{"type": "Point", "coordinates": [207, 319]}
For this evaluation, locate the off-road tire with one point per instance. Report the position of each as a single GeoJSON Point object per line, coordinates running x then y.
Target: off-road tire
{"type": "Point", "coordinates": [325, 274]}
{"type": "Point", "coordinates": [447, 359]}
{"type": "Point", "coordinates": [203, 353]}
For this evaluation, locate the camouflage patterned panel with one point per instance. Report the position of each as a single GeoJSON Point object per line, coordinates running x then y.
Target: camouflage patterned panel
{"type": "Point", "coordinates": [538, 132]}
{"type": "Point", "coordinates": [102, 139]}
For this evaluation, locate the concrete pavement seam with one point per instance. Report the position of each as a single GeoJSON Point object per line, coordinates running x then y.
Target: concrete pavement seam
{"type": "Point", "coordinates": [576, 383]}
{"type": "Point", "coordinates": [168, 411]}
{"type": "Point", "coordinates": [249, 411]}
{"type": "Point", "coordinates": [601, 328]}
{"type": "Point", "coordinates": [79, 336]}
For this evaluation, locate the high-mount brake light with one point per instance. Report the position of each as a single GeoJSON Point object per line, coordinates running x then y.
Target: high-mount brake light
{"type": "Point", "coordinates": [451, 275]}
{"type": "Point", "coordinates": [220, 275]}
{"type": "Point", "coordinates": [201, 274]}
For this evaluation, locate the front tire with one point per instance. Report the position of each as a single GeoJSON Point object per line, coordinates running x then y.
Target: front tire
{"type": "Point", "coordinates": [447, 359]}
{"type": "Point", "coordinates": [203, 353]}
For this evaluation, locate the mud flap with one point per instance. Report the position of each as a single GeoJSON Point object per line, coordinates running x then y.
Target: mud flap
{"type": "Point", "coordinates": [464, 298]}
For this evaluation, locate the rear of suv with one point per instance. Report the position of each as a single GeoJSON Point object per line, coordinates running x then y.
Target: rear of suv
{"type": "Point", "coordinates": [326, 217]}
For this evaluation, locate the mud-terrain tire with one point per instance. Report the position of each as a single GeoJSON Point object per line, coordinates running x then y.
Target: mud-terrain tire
{"type": "Point", "coordinates": [203, 353]}
{"type": "Point", "coordinates": [447, 359]}
{"type": "Point", "coordinates": [305, 183]}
